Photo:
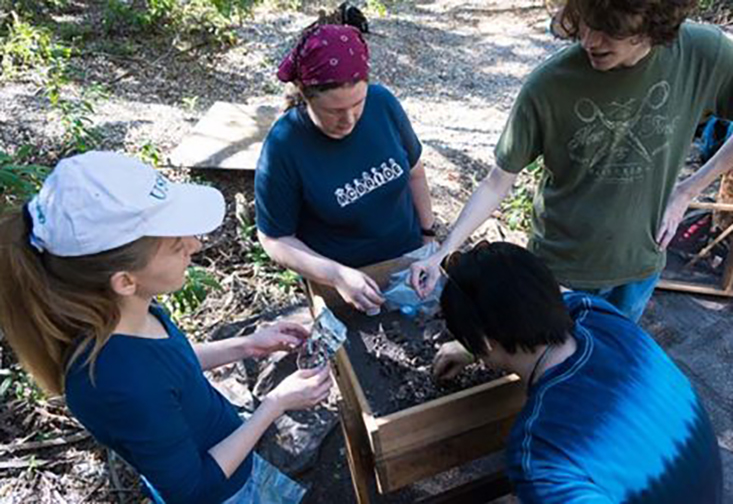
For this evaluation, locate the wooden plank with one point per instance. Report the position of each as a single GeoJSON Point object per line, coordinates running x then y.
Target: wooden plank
{"type": "Point", "coordinates": [398, 470]}
{"type": "Point", "coordinates": [357, 452]}
{"type": "Point", "coordinates": [228, 136]}
{"type": "Point", "coordinates": [348, 378]}
{"type": "Point", "coordinates": [710, 246]}
{"type": "Point", "coordinates": [693, 288]}
{"type": "Point", "coordinates": [723, 207]}
{"type": "Point", "coordinates": [728, 272]}
{"type": "Point", "coordinates": [448, 416]}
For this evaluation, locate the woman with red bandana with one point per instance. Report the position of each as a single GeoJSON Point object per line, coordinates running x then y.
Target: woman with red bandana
{"type": "Point", "coordinates": [339, 183]}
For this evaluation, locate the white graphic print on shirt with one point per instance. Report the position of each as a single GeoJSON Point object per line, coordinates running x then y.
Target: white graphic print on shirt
{"type": "Point", "coordinates": [620, 141]}
{"type": "Point", "coordinates": [368, 182]}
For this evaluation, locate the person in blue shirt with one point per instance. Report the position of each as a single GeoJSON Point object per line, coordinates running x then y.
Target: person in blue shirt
{"type": "Point", "coordinates": [609, 418]}
{"type": "Point", "coordinates": [80, 268]}
{"type": "Point", "coordinates": [339, 183]}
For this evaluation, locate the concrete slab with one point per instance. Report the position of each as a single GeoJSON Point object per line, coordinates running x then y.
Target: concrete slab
{"type": "Point", "coordinates": [697, 333]}
{"type": "Point", "coordinates": [229, 136]}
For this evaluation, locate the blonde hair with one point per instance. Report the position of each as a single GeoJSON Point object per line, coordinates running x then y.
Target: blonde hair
{"type": "Point", "coordinates": [53, 308]}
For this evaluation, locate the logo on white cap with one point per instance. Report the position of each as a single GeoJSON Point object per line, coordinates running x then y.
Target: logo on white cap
{"type": "Point", "coordinates": [160, 189]}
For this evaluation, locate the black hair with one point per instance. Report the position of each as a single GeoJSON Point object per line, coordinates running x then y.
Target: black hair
{"type": "Point", "coordinates": [503, 292]}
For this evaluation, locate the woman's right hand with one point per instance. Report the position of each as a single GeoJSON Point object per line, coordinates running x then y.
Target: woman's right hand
{"type": "Point", "coordinates": [424, 274]}
{"type": "Point", "coordinates": [358, 289]}
{"type": "Point", "coordinates": [303, 389]}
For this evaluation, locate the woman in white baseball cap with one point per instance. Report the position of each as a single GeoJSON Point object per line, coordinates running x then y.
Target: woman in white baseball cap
{"type": "Point", "coordinates": [80, 267]}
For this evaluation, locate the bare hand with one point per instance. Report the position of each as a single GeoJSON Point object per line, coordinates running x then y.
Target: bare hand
{"type": "Point", "coordinates": [275, 337]}
{"type": "Point", "coordinates": [450, 360]}
{"type": "Point", "coordinates": [678, 203]}
{"type": "Point", "coordinates": [303, 389]}
{"type": "Point", "coordinates": [358, 289]}
{"type": "Point", "coordinates": [424, 274]}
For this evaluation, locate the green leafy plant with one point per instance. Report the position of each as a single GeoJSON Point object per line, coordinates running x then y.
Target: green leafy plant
{"type": "Point", "coordinates": [150, 154]}
{"type": "Point", "coordinates": [194, 19]}
{"type": "Point", "coordinates": [122, 17]}
{"type": "Point", "coordinates": [190, 102]}
{"type": "Point", "coordinates": [376, 7]}
{"type": "Point", "coordinates": [17, 384]}
{"type": "Point", "coordinates": [19, 179]}
{"type": "Point", "coordinates": [517, 208]}
{"type": "Point", "coordinates": [199, 282]}
{"type": "Point", "coordinates": [24, 46]}
{"type": "Point", "coordinates": [286, 280]}
{"type": "Point", "coordinates": [79, 133]}
{"type": "Point", "coordinates": [75, 114]}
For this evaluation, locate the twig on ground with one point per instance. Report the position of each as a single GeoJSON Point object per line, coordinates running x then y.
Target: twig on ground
{"type": "Point", "coordinates": [113, 475]}
{"type": "Point", "coordinates": [99, 484]}
{"type": "Point", "coordinates": [22, 463]}
{"type": "Point", "coordinates": [39, 445]}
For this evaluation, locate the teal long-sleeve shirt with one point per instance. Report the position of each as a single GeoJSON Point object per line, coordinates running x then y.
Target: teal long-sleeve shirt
{"type": "Point", "coordinates": [617, 422]}
{"type": "Point", "coordinates": [151, 403]}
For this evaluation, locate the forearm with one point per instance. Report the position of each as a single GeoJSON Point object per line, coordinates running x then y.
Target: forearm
{"type": "Point", "coordinates": [234, 449]}
{"type": "Point", "coordinates": [292, 253]}
{"type": "Point", "coordinates": [485, 199]}
{"type": "Point", "coordinates": [720, 163]}
{"type": "Point", "coordinates": [219, 353]}
{"type": "Point", "coordinates": [421, 196]}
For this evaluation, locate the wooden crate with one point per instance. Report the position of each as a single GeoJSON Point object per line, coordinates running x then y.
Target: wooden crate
{"type": "Point", "coordinates": [420, 441]}
{"type": "Point", "coordinates": [725, 288]}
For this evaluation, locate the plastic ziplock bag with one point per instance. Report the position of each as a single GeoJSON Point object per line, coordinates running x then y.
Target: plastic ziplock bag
{"type": "Point", "coordinates": [399, 294]}
{"type": "Point", "coordinates": [327, 336]}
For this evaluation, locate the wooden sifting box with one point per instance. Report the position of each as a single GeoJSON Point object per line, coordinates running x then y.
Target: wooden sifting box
{"type": "Point", "coordinates": [421, 441]}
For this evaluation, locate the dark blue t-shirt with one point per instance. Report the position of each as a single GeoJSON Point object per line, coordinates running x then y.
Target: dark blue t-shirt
{"type": "Point", "coordinates": [347, 199]}
{"type": "Point", "coordinates": [154, 407]}
{"type": "Point", "coordinates": [617, 422]}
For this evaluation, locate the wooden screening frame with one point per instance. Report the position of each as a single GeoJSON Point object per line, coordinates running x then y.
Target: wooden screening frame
{"type": "Point", "coordinates": [725, 288]}
{"type": "Point", "coordinates": [424, 440]}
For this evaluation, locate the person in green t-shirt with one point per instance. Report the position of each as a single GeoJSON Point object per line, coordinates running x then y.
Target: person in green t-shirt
{"type": "Point", "coordinates": [613, 116]}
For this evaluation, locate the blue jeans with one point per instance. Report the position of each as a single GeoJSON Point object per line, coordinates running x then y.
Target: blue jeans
{"type": "Point", "coordinates": [266, 485]}
{"type": "Point", "coordinates": [630, 298]}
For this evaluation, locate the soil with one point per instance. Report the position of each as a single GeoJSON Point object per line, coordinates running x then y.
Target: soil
{"type": "Point", "coordinates": [391, 352]}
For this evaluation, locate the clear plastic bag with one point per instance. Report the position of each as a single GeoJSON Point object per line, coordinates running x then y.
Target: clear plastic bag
{"type": "Point", "coordinates": [327, 336]}
{"type": "Point", "coordinates": [399, 294]}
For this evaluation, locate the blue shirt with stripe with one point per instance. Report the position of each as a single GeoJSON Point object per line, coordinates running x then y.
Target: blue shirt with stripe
{"type": "Point", "coordinates": [617, 422]}
{"type": "Point", "coordinates": [348, 199]}
{"type": "Point", "coordinates": [152, 404]}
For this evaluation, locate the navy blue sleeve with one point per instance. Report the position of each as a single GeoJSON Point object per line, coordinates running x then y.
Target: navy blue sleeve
{"type": "Point", "coordinates": [407, 135]}
{"type": "Point", "coordinates": [162, 447]}
{"type": "Point", "coordinates": [278, 192]}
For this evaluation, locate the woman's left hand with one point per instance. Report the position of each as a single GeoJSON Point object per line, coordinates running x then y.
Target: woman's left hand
{"type": "Point", "coordinates": [272, 338]}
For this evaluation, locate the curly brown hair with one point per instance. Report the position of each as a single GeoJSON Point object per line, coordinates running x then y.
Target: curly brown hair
{"type": "Point", "coordinates": [659, 20]}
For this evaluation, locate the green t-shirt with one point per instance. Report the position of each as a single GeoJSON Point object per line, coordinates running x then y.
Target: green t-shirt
{"type": "Point", "coordinates": [613, 144]}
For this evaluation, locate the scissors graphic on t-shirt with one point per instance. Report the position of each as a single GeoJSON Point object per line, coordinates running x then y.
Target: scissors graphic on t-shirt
{"type": "Point", "coordinates": [615, 134]}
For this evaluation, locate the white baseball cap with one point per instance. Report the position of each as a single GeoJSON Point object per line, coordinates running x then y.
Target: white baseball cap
{"type": "Point", "coordinates": [99, 201]}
